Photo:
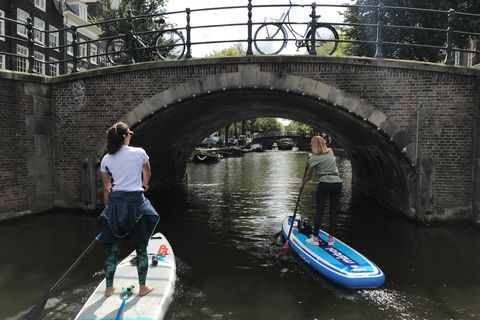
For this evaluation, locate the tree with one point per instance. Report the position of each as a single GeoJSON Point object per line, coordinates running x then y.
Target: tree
{"type": "Point", "coordinates": [261, 125]}
{"type": "Point", "coordinates": [235, 50]}
{"type": "Point", "coordinates": [138, 7]}
{"type": "Point", "coordinates": [423, 19]}
{"type": "Point", "coordinates": [299, 128]}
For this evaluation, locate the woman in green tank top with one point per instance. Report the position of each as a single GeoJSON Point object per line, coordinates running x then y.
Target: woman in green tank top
{"type": "Point", "coordinates": [329, 185]}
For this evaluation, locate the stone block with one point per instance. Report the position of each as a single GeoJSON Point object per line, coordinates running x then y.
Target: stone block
{"type": "Point", "coordinates": [307, 86]}
{"type": "Point", "coordinates": [248, 74]}
{"type": "Point", "coordinates": [165, 97]}
{"type": "Point", "coordinates": [336, 96]}
{"type": "Point", "coordinates": [364, 109]}
{"type": "Point", "coordinates": [293, 83]}
{"type": "Point", "coordinates": [390, 127]}
{"type": "Point", "coordinates": [377, 117]}
{"type": "Point", "coordinates": [38, 126]}
{"type": "Point", "coordinates": [234, 80]}
{"type": "Point", "coordinates": [277, 81]}
{"type": "Point", "coordinates": [42, 107]}
{"type": "Point", "coordinates": [322, 90]}
{"type": "Point", "coordinates": [402, 139]}
{"type": "Point", "coordinates": [37, 89]}
{"type": "Point", "coordinates": [141, 111]}
{"type": "Point", "coordinates": [351, 102]}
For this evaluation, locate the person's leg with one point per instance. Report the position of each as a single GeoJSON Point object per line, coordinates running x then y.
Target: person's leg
{"type": "Point", "coordinates": [335, 193]}
{"type": "Point", "coordinates": [111, 266]}
{"type": "Point", "coordinates": [321, 199]}
{"type": "Point", "coordinates": [142, 267]}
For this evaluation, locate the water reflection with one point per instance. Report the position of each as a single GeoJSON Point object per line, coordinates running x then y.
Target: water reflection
{"type": "Point", "coordinates": [224, 226]}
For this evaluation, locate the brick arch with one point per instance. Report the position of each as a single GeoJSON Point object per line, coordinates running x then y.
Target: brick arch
{"type": "Point", "coordinates": [379, 171]}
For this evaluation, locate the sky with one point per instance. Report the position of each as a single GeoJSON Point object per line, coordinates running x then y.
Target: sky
{"type": "Point", "coordinates": [230, 16]}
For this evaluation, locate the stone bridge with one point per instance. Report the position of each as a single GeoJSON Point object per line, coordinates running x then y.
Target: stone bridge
{"type": "Point", "coordinates": [303, 143]}
{"type": "Point", "coordinates": [408, 128]}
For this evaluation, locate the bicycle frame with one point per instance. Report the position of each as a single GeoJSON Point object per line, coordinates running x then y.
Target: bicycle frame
{"type": "Point", "coordinates": [286, 16]}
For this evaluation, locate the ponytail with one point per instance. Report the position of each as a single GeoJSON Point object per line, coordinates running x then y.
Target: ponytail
{"type": "Point", "coordinates": [116, 135]}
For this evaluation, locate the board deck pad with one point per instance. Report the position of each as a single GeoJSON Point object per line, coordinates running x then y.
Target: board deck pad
{"type": "Point", "coordinates": [340, 263]}
{"type": "Point", "coordinates": [149, 307]}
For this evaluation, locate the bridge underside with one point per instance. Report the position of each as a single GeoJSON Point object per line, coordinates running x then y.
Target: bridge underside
{"type": "Point", "coordinates": [378, 167]}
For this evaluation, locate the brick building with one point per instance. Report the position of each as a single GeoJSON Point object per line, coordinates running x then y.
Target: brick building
{"type": "Point", "coordinates": [52, 51]}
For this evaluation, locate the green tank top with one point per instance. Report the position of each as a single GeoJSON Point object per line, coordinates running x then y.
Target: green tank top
{"type": "Point", "coordinates": [325, 166]}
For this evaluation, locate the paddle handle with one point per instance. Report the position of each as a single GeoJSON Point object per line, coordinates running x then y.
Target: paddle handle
{"type": "Point", "coordinates": [296, 207]}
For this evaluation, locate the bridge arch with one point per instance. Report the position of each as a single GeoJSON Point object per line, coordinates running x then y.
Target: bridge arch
{"type": "Point", "coordinates": [170, 124]}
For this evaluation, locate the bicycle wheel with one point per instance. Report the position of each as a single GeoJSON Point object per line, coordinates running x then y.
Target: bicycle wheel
{"type": "Point", "coordinates": [323, 34]}
{"type": "Point", "coordinates": [270, 38]}
{"type": "Point", "coordinates": [116, 51]}
{"type": "Point", "coordinates": [170, 45]}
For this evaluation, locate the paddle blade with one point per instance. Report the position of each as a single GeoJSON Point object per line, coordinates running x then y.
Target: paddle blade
{"type": "Point", "coordinates": [285, 246]}
{"type": "Point", "coordinates": [36, 311]}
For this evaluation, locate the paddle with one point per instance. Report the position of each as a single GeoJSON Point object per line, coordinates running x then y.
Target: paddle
{"type": "Point", "coordinates": [37, 310]}
{"type": "Point", "coordinates": [296, 207]}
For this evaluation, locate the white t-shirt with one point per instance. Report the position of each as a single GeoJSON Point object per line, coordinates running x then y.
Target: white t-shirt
{"type": "Point", "coordinates": [125, 168]}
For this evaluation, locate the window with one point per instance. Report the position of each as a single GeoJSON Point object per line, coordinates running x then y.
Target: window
{"type": "Point", "coordinates": [22, 63]}
{"type": "Point", "coordinates": [53, 67]}
{"type": "Point", "coordinates": [82, 12]}
{"type": "Point", "coordinates": [53, 37]}
{"type": "Point", "coordinates": [69, 43]}
{"type": "Point", "coordinates": [2, 62]}
{"type": "Point", "coordinates": [93, 52]}
{"type": "Point", "coordinates": [2, 25]}
{"type": "Point", "coordinates": [69, 67]}
{"type": "Point", "coordinates": [39, 36]}
{"type": "Point", "coordinates": [22, 18]}
{"type": "Point", "coordinates": [39, 63]}
{"type": "Point", "coordinates": [82, 49]}
{"type": "Point", "coordinates": [40, 4]}
{"type": "Point", "coordinates": [458, 58]}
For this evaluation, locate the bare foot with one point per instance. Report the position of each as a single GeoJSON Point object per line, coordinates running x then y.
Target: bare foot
{"type": "Point", "coordinates": [109, 291]}
{"type": "Point", "coordinates": [144, 289]}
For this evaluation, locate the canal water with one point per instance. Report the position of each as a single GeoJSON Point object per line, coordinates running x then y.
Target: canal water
{"type": "Point", "coordinates": [224, 225]}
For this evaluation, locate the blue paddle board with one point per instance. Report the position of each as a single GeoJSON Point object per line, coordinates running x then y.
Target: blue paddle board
{"type": "Point", "coordinates": [339, 263]}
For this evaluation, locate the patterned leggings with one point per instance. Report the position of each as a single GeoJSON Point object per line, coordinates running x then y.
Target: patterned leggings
{"type": "Point", "coordinates": [111, 261]}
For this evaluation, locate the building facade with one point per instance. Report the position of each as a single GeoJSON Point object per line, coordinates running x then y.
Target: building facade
{"type": "Point", "coordinates": [52, 35]}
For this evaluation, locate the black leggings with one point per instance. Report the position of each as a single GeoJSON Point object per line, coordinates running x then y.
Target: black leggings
{"type": "Point", "coordinates": [113, 250]}
{"type": "Point", "coordinates": [334, 190]}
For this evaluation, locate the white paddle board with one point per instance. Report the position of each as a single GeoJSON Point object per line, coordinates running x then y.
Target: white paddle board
{"type": "Point", "coordinates": [149, 307]}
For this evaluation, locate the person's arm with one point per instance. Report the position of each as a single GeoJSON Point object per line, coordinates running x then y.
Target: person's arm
{"type": "Point", "coordinates": [146, 174]}
{"type": "Point", "coordinates": [106, 187]}
{"type": "Point", "coordinates": [308, 176]}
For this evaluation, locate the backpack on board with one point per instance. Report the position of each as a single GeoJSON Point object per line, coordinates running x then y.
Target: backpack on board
{"type": "Point", "coordinates": [304, 227]}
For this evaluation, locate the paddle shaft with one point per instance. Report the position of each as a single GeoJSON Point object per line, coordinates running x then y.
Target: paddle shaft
{"type": "Point", "coordinates": [37, 310]}
{"type": "Point", "coordinates": [296, 207]}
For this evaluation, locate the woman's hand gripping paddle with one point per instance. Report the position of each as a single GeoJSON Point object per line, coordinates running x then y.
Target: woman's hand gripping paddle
{"type": "Point", "coordinates": [36, 311]}
{"type": "Point", "coordinates": [296, 207]}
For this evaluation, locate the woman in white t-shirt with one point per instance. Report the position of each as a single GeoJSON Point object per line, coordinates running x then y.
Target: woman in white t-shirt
{"type": "Point", "coordinates": [128, 215]}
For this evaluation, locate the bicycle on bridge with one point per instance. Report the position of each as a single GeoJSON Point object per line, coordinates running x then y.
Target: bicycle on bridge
{"type": "Point", "coordinates": [271, 37]}
{"type": "Point", "coordinates": [167, 44]}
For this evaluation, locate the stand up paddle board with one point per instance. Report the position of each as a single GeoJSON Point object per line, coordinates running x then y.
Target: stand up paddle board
{"type": "Point", "coordinates": [340, 263]}
{"type": "Point", "coordinates": [134, 307]}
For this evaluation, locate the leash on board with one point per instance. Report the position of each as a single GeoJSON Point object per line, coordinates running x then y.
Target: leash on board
{"type": "Point", "coordinates": [126, 293]}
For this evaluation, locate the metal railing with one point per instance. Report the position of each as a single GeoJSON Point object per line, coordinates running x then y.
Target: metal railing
{"type": "Point", "coordinates": [78, 44]}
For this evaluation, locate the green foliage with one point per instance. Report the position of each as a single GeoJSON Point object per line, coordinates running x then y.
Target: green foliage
{"type": "Point", "coordinates": [298, 127]}
{"type": "Point", "coordinates": [235, 50]}
{"type": "Point", "coordinates": [411, 18]}
{"type": "Point", "coordinates": [260, 125]}
{"type": "Point", "coordinates": [138, 7]}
